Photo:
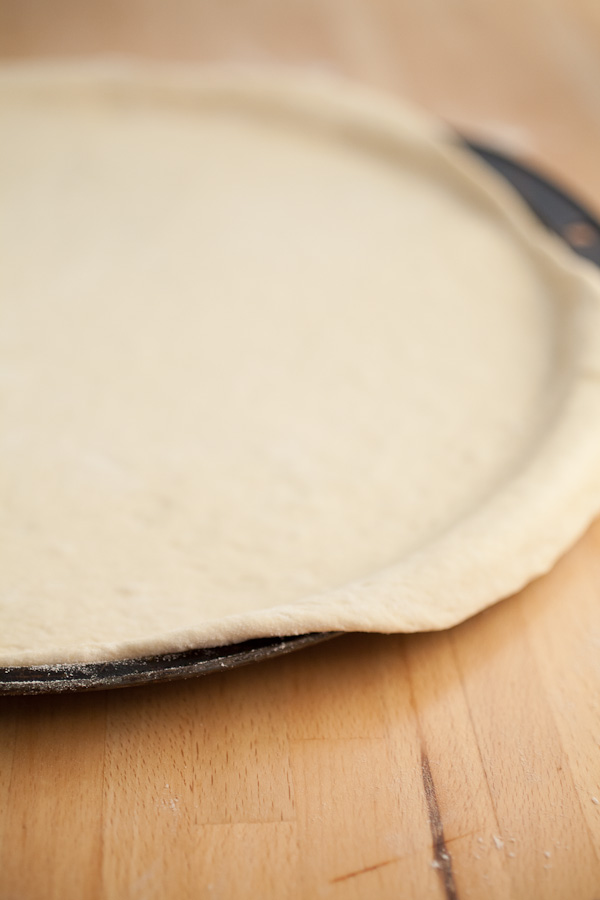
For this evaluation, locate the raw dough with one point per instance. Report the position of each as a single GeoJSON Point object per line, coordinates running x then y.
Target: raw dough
{"type": "Point", "coordinates": [277, 356]}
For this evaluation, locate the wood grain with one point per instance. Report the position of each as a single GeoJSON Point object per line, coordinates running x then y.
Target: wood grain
{"type": "Point", "coordinates": [461, 764]}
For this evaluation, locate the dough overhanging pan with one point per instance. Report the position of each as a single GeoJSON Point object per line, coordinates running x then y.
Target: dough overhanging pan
{"type": "Point", "coordinates": [559, 213]}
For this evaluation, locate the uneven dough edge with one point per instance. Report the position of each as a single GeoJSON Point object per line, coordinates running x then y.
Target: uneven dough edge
{"type": "Point", "coordinates": [521, 532]}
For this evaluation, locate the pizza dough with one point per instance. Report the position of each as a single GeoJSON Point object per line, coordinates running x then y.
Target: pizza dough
{"type": "Point", "coordinates": [277, 356]}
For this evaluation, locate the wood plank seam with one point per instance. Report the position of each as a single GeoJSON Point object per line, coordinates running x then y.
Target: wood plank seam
{"type": "Point", "coordinates": [442, 858]}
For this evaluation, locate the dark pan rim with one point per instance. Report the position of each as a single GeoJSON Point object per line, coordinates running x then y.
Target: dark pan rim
{"type": "Point", "coordinates": [68, 677]}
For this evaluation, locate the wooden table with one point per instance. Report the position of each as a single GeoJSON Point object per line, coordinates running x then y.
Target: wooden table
{"type": "Point", "coordinates": [450, 765]}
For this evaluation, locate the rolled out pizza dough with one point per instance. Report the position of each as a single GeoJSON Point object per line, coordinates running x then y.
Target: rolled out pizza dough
{"type": "Point", "coordinates": [277, 356]}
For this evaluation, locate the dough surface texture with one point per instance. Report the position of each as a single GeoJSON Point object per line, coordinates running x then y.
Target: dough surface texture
{"type": "Point", "coordinates": [277, 355]}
